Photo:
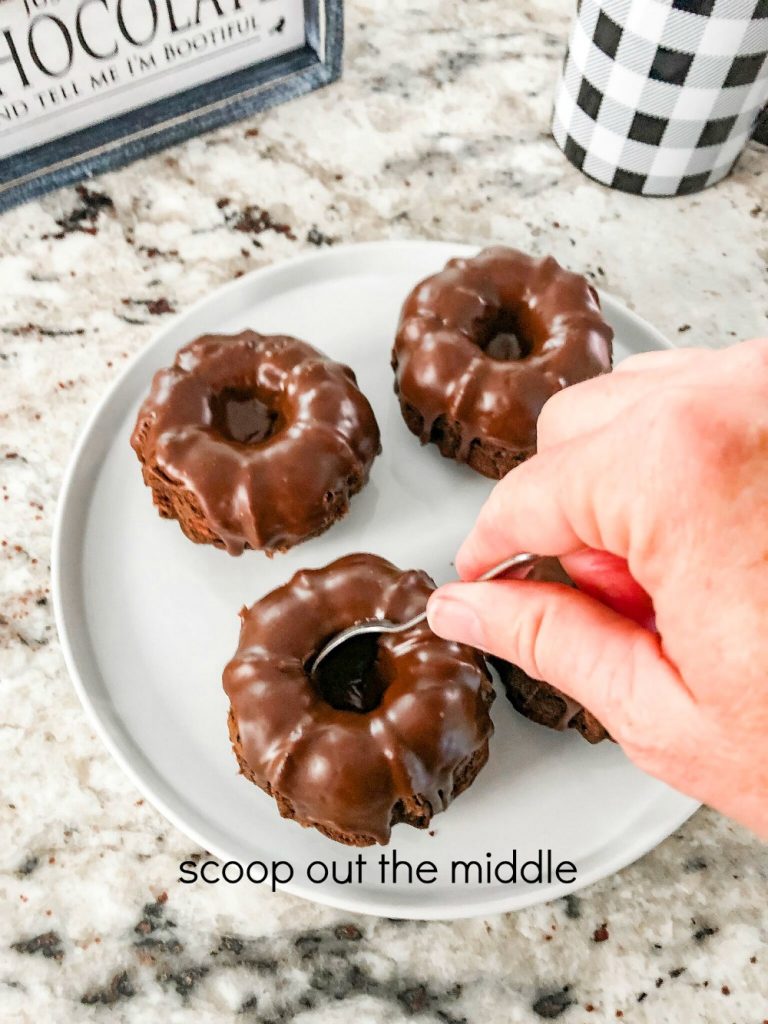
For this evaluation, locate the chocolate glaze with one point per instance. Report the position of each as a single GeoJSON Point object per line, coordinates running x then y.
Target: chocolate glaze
{"type": "Point", "coordinates": [268, 435]}
{"type": "Point", "coordinates": [350, 771]}
{"type": "Point", "coordinates": [485, 342]}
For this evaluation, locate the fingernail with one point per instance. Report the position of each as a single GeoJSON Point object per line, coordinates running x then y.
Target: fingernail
{"type": "Point", "coordinates": [454, 620]}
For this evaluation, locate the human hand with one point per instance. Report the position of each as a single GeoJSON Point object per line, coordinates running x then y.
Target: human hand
{"type": "Point", "coordinates": [663, 463]}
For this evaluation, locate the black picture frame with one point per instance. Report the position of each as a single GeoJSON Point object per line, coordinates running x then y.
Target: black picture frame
{"type": "Point", "coordinates": [155, 126]}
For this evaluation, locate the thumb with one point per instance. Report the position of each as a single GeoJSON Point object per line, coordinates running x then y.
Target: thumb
{"type": "Point", "coordinates": [608, 663]}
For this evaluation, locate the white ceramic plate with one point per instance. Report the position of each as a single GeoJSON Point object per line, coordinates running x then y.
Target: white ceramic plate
{"type": "Point", "coordinates": [148, 620]}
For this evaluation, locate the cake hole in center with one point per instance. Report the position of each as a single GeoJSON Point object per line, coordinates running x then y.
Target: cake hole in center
{"type": "Point", "coordinates": [501, 338]}
{"type": "Point", "coordinates": [350, 678]}
{"type": "Point", "coordinates": [240, 416]}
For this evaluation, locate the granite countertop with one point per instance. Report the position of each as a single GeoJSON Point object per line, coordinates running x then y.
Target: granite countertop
{"type": "Point", "coordinates": [445, 138]}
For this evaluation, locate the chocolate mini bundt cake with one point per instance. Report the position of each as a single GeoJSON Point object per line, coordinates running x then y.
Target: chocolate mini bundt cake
{"type": "Point", "coordinates": [390, 730]}
{"type": "Point", "coordinates": [540, 701]}
{"type": "Point", "coordinates": [252, 441]}
{"type": "Point", "coordinates": [483, 344]}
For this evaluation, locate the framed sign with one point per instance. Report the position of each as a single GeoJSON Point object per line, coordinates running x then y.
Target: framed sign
{"type": "Point", "coordinates": [89, 85]}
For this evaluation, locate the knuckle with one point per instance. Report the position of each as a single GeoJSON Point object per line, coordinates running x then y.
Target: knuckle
{"type": "Point", "coordinates": [629, 725]}
{"type": "Point", "coordinates": [533, 639]}
{"type": "Point", "coordinates": [679, 411]}
{"type": "Point", "coordinates": [683, 427]}
{"type": "Point", "coordinates": [641, 751]}
{"type": "Point", "coordinates": [631, 715]}
{"type": "Point", "coordinates": [701, 438]}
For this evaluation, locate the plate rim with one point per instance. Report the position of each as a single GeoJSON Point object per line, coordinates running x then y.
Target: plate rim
{"type": "Point", "coordinates": [118, 744]}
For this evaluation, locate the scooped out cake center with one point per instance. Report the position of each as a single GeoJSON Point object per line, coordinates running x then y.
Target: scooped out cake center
{"type": "Point", "coordinates": [351, 678]}
{"type": "Point", "coordinates": [239, 415]}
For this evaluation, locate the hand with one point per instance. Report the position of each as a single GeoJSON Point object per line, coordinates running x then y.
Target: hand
{"type": "Point", "coordinates": [663, 463]}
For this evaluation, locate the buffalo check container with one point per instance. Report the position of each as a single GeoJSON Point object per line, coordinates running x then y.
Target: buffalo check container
{"type": "Point", "coordinates": [659, 97]}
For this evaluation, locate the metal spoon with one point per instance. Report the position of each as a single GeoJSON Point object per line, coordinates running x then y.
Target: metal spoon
{"type": "Point", "coordinates": [522, 561]}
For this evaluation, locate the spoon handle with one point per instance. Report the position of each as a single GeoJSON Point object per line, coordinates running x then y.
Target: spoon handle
{"type": "Point", "coordinates": [521, 561]}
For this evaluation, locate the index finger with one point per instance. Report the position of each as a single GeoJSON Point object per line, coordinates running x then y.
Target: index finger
{"type": "Point", "coordinates": [558, 502]}
{"type": "Point", "coordinates": [595, 402]}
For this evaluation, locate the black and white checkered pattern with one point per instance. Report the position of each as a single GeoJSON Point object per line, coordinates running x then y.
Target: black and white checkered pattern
{"type": "Point", "coordinates": [659, 97]}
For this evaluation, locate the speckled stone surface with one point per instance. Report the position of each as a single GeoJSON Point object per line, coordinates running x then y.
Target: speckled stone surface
{"type": "Point", "coordinates": [439, 130]}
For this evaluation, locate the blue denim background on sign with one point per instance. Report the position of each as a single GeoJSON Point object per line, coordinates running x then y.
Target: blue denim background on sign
{"type": "Point", "coordinates": [116, 142]}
